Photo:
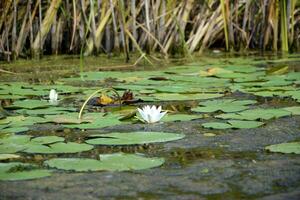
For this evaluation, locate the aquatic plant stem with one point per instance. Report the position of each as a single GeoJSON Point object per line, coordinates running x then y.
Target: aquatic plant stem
{"type": "Point", "coordinates": [93, 94]}
{"type": "Point", "coordinates": [224, 14]}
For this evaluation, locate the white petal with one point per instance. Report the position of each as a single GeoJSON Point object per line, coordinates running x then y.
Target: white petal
{"type": "Point", "coordinates": [162, 115]}
{"type": "Point", "coordinates": [143, 114]}
{"type": "Point", "coordinates": [159, 109]}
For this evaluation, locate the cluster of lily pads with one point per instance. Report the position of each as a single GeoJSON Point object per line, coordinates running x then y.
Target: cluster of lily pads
{"type": "Point", "coordinates": [207, 85]}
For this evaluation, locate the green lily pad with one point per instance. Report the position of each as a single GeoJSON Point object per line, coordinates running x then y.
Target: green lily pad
{"type": "Point", "coordinates": [216, 125]}
{"type": "Point", "coordinates": [47, 139]}
{"type": "Point", "coordinates": [107, 162]}
{"type": "Point", "coordinates": [56, 148]}
{"type": "Point", "coordinates": [44, 144]}
{"type": "Point", "coordinates": [15, 139]}
{"type": "Point", "coordinates": [295, 110]}
{"type": "Point", "coordinates": [244, 124]}
{"type": "Point", "coordinates": [98, 122]}
{"type": "Point", "coordinates": [46, 111]}
{"type": "Point", "coordinates": [14, 130]}
{"type": "Point", "coordinates": [20, 171]}
{"type": "Point", "coordinates": [179, 117]}
{"type": "Point", "coordinates": [225, 105]}
{"type": "Point", "coordinates": [30, 104]}
{"type": "Point", "coordinates": [255, 114]}
{"type": "Point", "coordinates": [238, 124]}
{"type": "Point", "coordinates": [185, 97]}
{"type": "Point", "coordinates": [291, 147]}
{"type": "Point", "coordinates": [133, 138]}
{"type": "Point", "coordinates": [6, 156]}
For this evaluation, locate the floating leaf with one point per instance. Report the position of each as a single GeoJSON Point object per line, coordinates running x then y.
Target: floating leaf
{"type": "Point", "coordinates": [238, 124]}
{"type": "Point", "coordinates": [107, 162]}
{"type": "Point", "coordinates": [15, 130]}
{"type": "Point", "coordinates": [8, 156]}
{"type": "Point", "coordinates": [185, 97]}
{"type": "Point", "coordinates": [255, 114]}
{"type": "Point", "coordinates": [101, 122]}
{"type": "Point", "coordinates": [295, 110]}
{"type": "Point", "coordinates": [180, 117]}
{"type": "Point", "coordinates": [225, 105]}
{"type": "Point", "coordinates": [216, 125]}
{"type": "Point", "coordinates": [59, 147]}
{"type": "Point", "coordinates": [132, 138]}
{"type": "Point", "coordinates": [30, 104]}
{"type": "Point", "coordinates": [46, 111]}
{"type": "Point", "coordinates": [244, 124]}
{"type": "Point", "coordinates": [21, 171]}
{"type": "Point", "coordinates": [291, 147]}
{"type": "Point", "coordinates": [47, 139]}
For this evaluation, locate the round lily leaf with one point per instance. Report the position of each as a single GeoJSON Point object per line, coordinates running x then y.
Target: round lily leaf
{"type": "Point", "coordinates": [295, 110]}
{"type": "Point", "coordinates": [8, 156]}
{"type": "Point", "coordinates": [100, 123]}
{"type": "Point", "coordinates": [11, 148]}
{"type": "Point", "coordinates": [46, 111]}
{"type": "Point", "coordinates": [30, 104]}
{"type": "Point", "coordinates": [107, 162]}
{"type": "Point", "coordinates": [225, 105]}
{"type": "Point", "coordinates": [56, 148]}
{"type": "Point", "coordinates": [133, 138]}
{"type": "Point", "coordinates": [185, 97]}
{"type": "Point", "coordinates": [244, 124]}
{"type": "Point", "coordinates": [21, 171]}
{"type": "Point", "coordinates": [291, 147]}
{"type": "Point", "coordinates": [238, 124]}
{"type": "Point", "coordinates": [255, 114]}
{"type": "Point", "coordinates": [47, 139]}
{"type": "Point", "coordinates": [216, 125]}
{"type": "Point", "coordinates": [179, 117]}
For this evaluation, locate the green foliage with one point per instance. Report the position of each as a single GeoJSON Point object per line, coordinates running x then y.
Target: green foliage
{"type": "Point", "coordinates": [291, 147]}
{"type": "Point", "coordinates": [20, 171]}
{"type": "Point", "coordinates": [225, 105]}
{"type": "Point", "coordinates": [133, 138]}
{"type": "Point", "coordinates": [107, 162]}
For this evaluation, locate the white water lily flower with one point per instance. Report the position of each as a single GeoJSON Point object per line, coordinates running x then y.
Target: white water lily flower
{"type": "Point", "coordinates": [151, 114]}
{"type": "Point", "coordinates": [53, 96]}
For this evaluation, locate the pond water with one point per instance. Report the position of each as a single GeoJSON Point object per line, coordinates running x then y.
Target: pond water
{"type": "Point", "coordinates": [231, 130]}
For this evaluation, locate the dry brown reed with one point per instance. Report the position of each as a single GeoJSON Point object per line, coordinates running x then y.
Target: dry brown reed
{"type": "Point", "coordinates": [34, 27]}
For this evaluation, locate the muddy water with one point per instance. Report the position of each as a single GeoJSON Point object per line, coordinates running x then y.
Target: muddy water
{"type": "Point", "coordinates": [232, 164]}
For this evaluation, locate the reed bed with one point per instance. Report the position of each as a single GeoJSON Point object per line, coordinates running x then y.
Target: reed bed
{"type": "Point", "coordinates": [34, 28]}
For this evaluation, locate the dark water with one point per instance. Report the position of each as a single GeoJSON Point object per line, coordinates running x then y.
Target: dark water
{"type": "Point", "coordinates": [224, 164]}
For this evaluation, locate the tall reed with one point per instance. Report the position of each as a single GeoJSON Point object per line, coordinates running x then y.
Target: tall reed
{"type": "Point", "coordinates": [169, 27]}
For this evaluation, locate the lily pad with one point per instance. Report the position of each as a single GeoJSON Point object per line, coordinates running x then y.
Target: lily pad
{"type": "Point", "coordinates": [99, 122]}
{"type": "Point", "coordinates": [216, 125]}
{"type": "Point", "coordinates": [56, 148]}
{"type": "Point", "coordinates": [295, 110]}
{"type": "Point", "coordinates": [21, 171]}
{"type": "Point", "coordinates": [133, 138]}
{"type": "Point", "coordinates": [180, 117]}
{"type": "Point", "coordinates": [225, 105]}
{"type": "Point", "coordinates": [46, 111]}
{"type": "Point", "coordinates": [6, 156]}
{"type": "Point", "coordinates": [30, 104]}
{"type": "Point", "coordinates": [264, 114]}
{"type": "Point", "coordinates": [107, 162]}
{"type": "Point", "coordinates": [290, 147]}
{"type": "Point", "coordinates": [185, 97]}
{"type": "Point", "coordinates": [238, 124]}
{"type": "Point", "coordinates": [47, 139]}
